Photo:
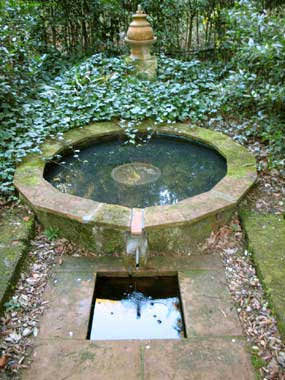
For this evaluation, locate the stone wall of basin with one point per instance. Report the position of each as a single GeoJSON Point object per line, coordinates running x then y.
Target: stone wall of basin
{"type": "Point", "coordinates": [179, 229]}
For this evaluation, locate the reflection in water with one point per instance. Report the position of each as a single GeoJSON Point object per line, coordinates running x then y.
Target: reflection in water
{"type": "Point", "coordinates": [136, 317]}
{"type": "Point", "coordinates": [186, 169]}
{"type": "Point", "coordinates": [136, 308]}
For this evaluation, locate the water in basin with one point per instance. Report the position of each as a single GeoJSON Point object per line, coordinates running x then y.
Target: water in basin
{"type": "Point", "coordinates": [163, 171]}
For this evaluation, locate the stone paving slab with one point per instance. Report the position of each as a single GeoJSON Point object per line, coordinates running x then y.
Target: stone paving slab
{"type": "Point", "coordinates": [206, 283]}
{"type": "Point", "coordinates": [202, 262]}
{"type": "Point", "coordinates": [91, 264]}
{"type": "Point", "coordinates": [156, 263]}
{"type": "Point", "coordinates": [214, 348]}
{"type": "Point", "coordinates": [55, 359]}
{"type": "Point", "coordinates": [198, 359]}
{"type": "Point", "coordinates": [266, 240]}
{"type": "Point", "coordinates": [10, 255]}
{"type": "Point", "coordinates": [15, 230]}
{"type": "Point", "coordinates": [207, 306]}
{"type": "Point", "coordinates": [70, 297]}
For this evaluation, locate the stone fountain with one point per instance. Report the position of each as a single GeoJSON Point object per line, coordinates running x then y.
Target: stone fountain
{"type": "Point", "coordinates": [140, 39]}
{"type": "Point", "coordinates": [149, 282]}
{"type": "Point", "coordinates": [160, 206]}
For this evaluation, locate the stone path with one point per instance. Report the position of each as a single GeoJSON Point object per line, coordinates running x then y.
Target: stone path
{"type": "Point", "coordinates": [15, 230]}
{"type": "Point", "coordinates": [266, 239]}
{"type": "Point", "coordinates": [214, 349]}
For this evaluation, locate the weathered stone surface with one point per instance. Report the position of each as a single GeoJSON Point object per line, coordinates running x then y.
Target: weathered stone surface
{"type": "Point", "coordinates": [236, 189]}
{"type": "Point", "coordinates": [112, 216]}
{"type": "Point", "coordinates": [197, 359]}
{"type": "Point", "coordinates": [140, 39]}
{"type": "Point", "coordinates": [16, 228]}
{"type": "Point", "coordinates": [187, 211]}
{"type": "Point", "coordinates": [208, 309]}
{"type": "Point", "coordinates": [266, 239]}
{"type": "Point", "coordinates": [203, 262]}
{"type": "Point", "coordinates": [70, 298]}
{"type": "Point", "coordinates": [186, 238]}
{"type": "Point", "coordinates": [92, 265]}
{"type": "Point", "coordinates": [137, 222]}
{"type": "Point", "coordinates": [145, 68]}
{"type": "Point", "coordinates": [207, 359]}
{"type": "Point", "coordinates": [208, 353]}
{"type": "Point", "coordinates": [103, 227]}
{"type": "Point", "coordinates": [157, 264]}
{"type": "Point", "coordinates": [61, 359]}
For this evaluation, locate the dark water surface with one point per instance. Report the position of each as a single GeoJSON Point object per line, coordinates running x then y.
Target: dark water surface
{"type": "Point", "coordinates": [136, 308]}
{"type": "Point", "coordinates": [185, 169]}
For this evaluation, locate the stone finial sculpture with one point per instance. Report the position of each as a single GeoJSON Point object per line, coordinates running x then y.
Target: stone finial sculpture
{"type": "Point", "coordinates": [140, 39]}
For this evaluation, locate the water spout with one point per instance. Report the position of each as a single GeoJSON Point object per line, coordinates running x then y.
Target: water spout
{"type": "Point", "coordinates": [136, 253]}
{"type": "Point", "coordinates": [137, 257]}
{"type": "Point", "coordinates": [130, 271]}
{"type": "Point", "coordinates": [136, 247]}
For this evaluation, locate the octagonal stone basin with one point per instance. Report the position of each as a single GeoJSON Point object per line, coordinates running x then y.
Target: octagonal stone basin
{"type": "Point", "coordinates": [104, 228]}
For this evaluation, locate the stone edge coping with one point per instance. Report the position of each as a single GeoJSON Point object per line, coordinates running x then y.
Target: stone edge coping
{"type": "Point", "coordinates": [15, 242]}
{"type": "Point", "coordinates": [42, 196]}
{"type": "Point", "coordinates": [265, 240]}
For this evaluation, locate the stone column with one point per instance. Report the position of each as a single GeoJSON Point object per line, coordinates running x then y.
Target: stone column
{"type": "Point", "coordinates": [140, 39]}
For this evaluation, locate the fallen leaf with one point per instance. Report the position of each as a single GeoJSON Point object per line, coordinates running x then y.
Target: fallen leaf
{"type": "Point", "coordinates": [3, 361]}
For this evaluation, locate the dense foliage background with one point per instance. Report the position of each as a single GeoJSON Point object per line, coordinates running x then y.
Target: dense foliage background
{"type": "Point", "coordinates": [221, 65]}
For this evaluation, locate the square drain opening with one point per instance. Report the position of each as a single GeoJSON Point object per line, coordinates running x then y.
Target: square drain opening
{"type": "Point", "coordinates": [136, 308]}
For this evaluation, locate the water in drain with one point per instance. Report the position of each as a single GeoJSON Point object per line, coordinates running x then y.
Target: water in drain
{"type": "Point", "coordinates": [136, 308]}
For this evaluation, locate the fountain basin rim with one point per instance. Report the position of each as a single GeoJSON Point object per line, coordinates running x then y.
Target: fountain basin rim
{"type": "Point", "coordinates": [51, 205]}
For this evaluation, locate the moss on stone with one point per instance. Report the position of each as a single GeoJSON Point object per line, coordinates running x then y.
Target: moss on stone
{"type": "Point", "coordinates": [186, 239]}
{"type": "Point", "coordinates": [109, 241]}
{"type": "Point", "coordinates": [15, 234]}
{"type": "Point", "coordinates": [266, 240]}
{"type": "Point", "coordinates": [68, 228]}
{"type": "Point", "coordinates": [106, 231]}
{"type": "Point", "coordinates": [30, 180]}
{"type": "Point", "coordinates": [87, 355]}
{"type": "Point", "coordinates": [29, 173]}
{"type": "Point", "coordinates": [95, 238]}
{"type": "Point", "coordinates": [79, 135]}
{"type": "Point", "coordinates": [240, 172]}
{"type": "Point", "coordinates": [35, 163]}
{"type": "Point", "coordinates": [50, 148]}
{"type": "Point", "coordinates": [113, 215]}
{"type": "Point", "coordinates": [257, 363]}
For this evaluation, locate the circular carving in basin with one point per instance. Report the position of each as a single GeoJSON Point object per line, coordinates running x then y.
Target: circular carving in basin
{"type": "Point", "coordinates": [135, 174]}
